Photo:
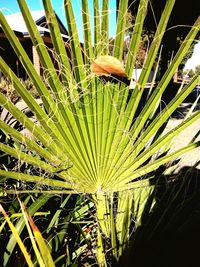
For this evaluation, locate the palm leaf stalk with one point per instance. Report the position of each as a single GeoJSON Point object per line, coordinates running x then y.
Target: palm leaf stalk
{"type": "Point", "coordinates": [85, 137]}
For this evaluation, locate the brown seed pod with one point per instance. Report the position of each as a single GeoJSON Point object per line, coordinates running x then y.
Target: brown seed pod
{"type": "Point", "coordinates": [106, 66]}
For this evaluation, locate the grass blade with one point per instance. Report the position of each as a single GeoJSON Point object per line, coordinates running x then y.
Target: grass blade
{"type": "Point", "coordinates": [17, 237]}
{"type": "Point", "coordinates": [37, 253]}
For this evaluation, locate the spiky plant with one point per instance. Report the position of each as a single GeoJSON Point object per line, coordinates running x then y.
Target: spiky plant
{"type": "Point", "coordinates": [89, 138]}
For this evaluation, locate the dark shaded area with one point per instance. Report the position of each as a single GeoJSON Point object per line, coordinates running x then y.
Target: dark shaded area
{"type": "Point", "coordinates": [170, 233]}
{"type": "Point", "coordinates": [182, 111]}
{"type": "Point", "coordinates": [183, 16]}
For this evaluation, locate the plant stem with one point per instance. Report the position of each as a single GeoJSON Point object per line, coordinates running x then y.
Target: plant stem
{"type": "Point", "coordinates": [101, 227]}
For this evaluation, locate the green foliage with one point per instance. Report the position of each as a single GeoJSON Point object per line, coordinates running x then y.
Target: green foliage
{"type": "Point", "coordinates": [91, 135]}
{"type": "Point", "coordinates": [197, 69]}
{"type": "Point", "coordinates": [7, 88]}
{"type": "Point", "coordinates": [193, 72]}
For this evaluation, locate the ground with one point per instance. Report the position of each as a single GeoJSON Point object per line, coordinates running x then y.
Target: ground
{"type": "Point", "coordinates": [192, 157]}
